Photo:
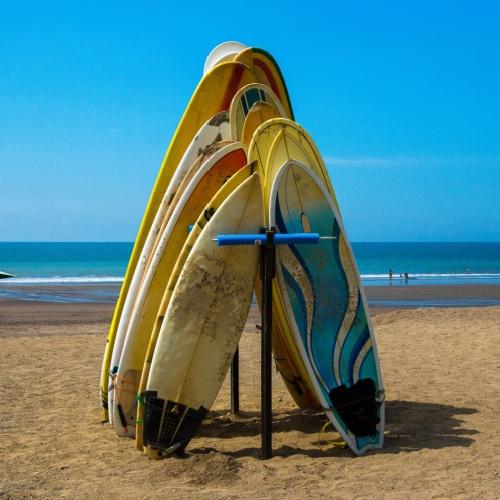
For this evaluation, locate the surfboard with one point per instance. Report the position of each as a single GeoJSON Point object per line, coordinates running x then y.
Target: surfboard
{"type": "Point", "coordinates": [203, 186]}
{"type": "Point", "coordinates": [260, 113]}
{"type": "Point", "coordinates": [282, 136]}
{"type": "Point", "coordinates": [251, 106]}
{"type": "Point", "coordinates": [267, 69]}
{"type": "Point", "coordinates": [171, 199]}
{"type": "Point", "coordinates": [202, 326]}
{"type": "Point", "coordinates": [286, 139]}
{"type": "Point", "coordinates": [205, 155]}
{"type": "Point", "coordinates": [222, 52]}
{"type": "Point", "coordinates": [5, 275]}
{"type": "Point", "coordinates": [327, 308]}
{"type": "Point", "coordinates": [207, 213]}
{"type": "Point", "coordinates": [268, 72]}
{"type": "Point", "coordinates": [212, 95]}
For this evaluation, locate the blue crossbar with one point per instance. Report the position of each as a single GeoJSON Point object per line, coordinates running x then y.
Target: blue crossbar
{"type": "Point", "coordinates": [223, 240]}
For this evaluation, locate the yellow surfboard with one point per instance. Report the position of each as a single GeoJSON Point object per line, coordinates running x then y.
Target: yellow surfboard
{"type": "Point", "coordinates": [280, 135]}
{"type": "Point", "coordinates": [268, 72]}
{"type": "Point", "coordinates": [229, 186]}
{"type": "Point", "coordinates": [264, 64]}
{"type": "Point", "coordinates": [261, 112]}
{"type": "Point", "coordinates": [213, 94]}
{"type": "Point", "coordinates": [282, 139]}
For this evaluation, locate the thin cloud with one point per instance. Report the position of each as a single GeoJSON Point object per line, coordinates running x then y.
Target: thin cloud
{"type": "Point", "coordinates": [361, 161]}
{"type": "Point", "coordinates": [406, 161]}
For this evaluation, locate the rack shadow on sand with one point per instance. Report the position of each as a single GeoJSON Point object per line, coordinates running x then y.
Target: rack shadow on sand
{"type": "Point", "coordinates": [410, 426]}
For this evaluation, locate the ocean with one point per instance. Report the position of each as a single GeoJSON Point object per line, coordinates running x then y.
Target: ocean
{"type": "Point", "coordinates": [94, 270]}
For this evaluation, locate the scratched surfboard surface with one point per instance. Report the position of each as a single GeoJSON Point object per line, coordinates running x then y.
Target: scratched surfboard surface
{"type": "Point", "coordinates": [201, 188]}
{"type": "Point", "coordinates": [202, 325]}
{"type": "Point", "coordinates": [327, 307]}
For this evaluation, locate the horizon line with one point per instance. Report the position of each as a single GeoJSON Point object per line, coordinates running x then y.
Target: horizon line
{"type": "Point", "coordinates": [353, 241]}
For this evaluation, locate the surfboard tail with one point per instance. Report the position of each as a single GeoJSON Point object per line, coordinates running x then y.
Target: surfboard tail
{"type": "Point", "coordinates": [168, 425]}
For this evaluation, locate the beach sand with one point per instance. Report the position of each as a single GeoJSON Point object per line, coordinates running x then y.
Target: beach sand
{"type": "Point", "coordinates": [441, 373]}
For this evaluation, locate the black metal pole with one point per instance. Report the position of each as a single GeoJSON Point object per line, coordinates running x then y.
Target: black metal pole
{"type": "Point", "coordinates": [235, 383]}
{"type": "Point", "coordinates": [267, 275]}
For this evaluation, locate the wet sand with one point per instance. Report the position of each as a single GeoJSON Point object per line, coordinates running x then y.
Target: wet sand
{"type": "Point", "coordinates": [440, 369]}
{"type": "Point", "coordinates": [398, 294]}
{"type": "Point", "coordinates": [433, 292]}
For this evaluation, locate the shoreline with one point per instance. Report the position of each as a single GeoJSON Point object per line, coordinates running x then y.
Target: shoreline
{"type": "Point", "coordinates": [386, 296]}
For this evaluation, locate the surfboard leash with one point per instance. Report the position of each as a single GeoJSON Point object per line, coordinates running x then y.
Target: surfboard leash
{"type": "Point", "coordinates": [337, 443]}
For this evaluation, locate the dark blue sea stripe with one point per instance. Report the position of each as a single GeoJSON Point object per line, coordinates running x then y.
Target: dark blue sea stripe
{"type": "Point", "coordinates": [354, 341]}
{"type": "Point", "coordinates": [336, 258]}
{"type": "Point", "coordinates": [244, 104]}
{"type": "Point", "coordinates": [250, 97]}
{"type": "Point", "coordinates": [281, 226]}
{"type": "Point", "coordinates": [253, 96]}
{"type": "Point", "coordinates": [300, 318]}
{"type": "Point", "coordinates": [368, 367]}
{"type": "Point", "coordinates": [329, 284]}
{"type": "Point", "coordinates": [307, 272]}
{"type": "Point", "coordinates": [280, 223]}
{"type": "Point", "coordinates": [360, 342]}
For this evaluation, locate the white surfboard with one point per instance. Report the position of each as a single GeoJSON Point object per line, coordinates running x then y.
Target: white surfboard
{"type": "Point", "coordinates": [222, 52]}
{"type": "Point", "coordinates": [202, 325]}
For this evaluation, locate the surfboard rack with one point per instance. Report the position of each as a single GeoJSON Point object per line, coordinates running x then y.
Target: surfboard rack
{"type": "Point", "coordinates": [267, 240]}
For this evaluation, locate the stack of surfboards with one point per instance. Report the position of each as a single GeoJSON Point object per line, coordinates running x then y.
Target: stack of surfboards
{"type": "Point", "coordinates": [238, 162]}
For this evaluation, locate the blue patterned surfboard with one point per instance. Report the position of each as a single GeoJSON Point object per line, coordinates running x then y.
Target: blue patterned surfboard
{"type": "Point", "coordinates": [327, 308]}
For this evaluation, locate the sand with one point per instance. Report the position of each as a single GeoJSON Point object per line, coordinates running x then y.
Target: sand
{"type": "Point", "coordinates": [398, 294]}
{"type": "Point", "coordinates": [441, 371]}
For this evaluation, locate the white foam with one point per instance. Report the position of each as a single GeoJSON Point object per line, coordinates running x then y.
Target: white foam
{"type": "Point", "coordinates": [54, 280]}
{"type": "Point", "coordinates": [432, 276]}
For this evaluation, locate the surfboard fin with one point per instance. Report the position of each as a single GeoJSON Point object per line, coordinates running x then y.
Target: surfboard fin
{"type": "Point", "coordinates": [357, 406]}
{"type": "Point", "coordinates": [168, 425]}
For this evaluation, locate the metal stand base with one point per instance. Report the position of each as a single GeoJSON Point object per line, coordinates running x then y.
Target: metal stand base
{"type": "Point", "coordinates": [267, 271]}
{"type": "Point", "coordinates": [268, 253]}
{"type": "Point", "coordinates": [235, 383]}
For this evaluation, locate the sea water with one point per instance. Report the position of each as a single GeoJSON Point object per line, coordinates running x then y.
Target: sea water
{"type": "Point", "coordinates": [52, 263]}
{"type": "Point", "coordinates": [94, 271]}
{"type": "Point", "coordinates": [63, 272]}
{"type": "Point", "coordinates": [429, 263]}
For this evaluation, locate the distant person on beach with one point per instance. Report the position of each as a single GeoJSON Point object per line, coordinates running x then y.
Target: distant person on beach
{"type": "Point", "coordinates": [406, 277]}
{"type": "Point", "coordinates": [390, 274]}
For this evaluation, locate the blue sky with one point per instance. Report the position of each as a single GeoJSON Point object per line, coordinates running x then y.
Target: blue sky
{"type": "Point", "coordinates": [402, 98]}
